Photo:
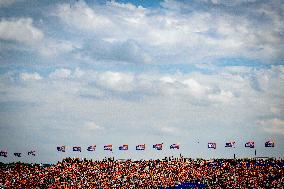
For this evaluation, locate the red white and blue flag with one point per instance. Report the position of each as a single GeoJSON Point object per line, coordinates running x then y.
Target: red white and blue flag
{"type": "Point", "coordinates": [230, 144]}
{"type": "Point", "coordinates": [212, 145]}
{"type": "Point", "coordinates": [140, 147]}
{"type": "Point", "coordinates": [269, 143]}
{"type": "Point", "coordinates": [174, 146]}
{"type": "Point", "coordinates": [3, 153]}
{"type": "Point", "coordinates": [77, 149]}
{"type": "Point", "coordinates": [31, 153]}
{"type": "Point", "coordinates": [61, 148]}
{"type": "Point", "coordinates": [17, 154]}
{"type": "Point", "coordinates": [249, 144]}
{"type": "Point", "coordinates": [123, 147]}
{"type": "Point", "coordinates": [158, 146]}
{"type": "Point", "coordinates": [108, 147]}
{"type": "Point", "coordinates": [91, 148]}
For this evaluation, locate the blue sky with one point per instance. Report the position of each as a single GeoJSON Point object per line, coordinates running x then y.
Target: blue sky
{"type": "Point", "coordinates": [132, 72]}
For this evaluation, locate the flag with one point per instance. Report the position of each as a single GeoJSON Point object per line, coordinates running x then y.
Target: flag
{"type": "Point", "coordinates": [61, 148]}
{"type": "Point", "coordinates": [174, 146]}
{"type": "Point", "coordinates": [269, 143]}
{"type": "Point", "coordinates": [3, 153]}
{"type": "Point", "coordinates": [249, 144]}
{"type": "Point", "coordinates": [230, 145]}
{"type": "Point", "coordinates": [31, 153]}
{"type": "Point", "coordinates": [91, 148]}
{"type": "Point", "coordinates": [76, 148]}
{"type": "Point", "coordinates": [108, 147]}
{"type": "Point", "coordinates": [123, 147]}
{"type": "Point", "coordinates": [140, 147]}
{"type": "Point", "coordinates": [211, 145]}
{"type": "Point", "coordinates": [17, 154]}
{"type": "Point", "coordinates": [158, 146]}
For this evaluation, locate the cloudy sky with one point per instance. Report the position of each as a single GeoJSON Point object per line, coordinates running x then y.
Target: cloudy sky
{"type": "Point", "coordinates": [78, 73]}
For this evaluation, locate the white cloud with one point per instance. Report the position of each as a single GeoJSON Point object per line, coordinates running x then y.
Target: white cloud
{"type": "Point", "coordinates": [81, 101]}
{"type": "Point", "coordinates": [195, 88]}
{"type": "Point", "coordinates": [274, 126]}
{"type": "Point", "coordinates": [174, 37]}
{"type": "Point", "coordinates": [167, 79]}
{"type": "Point", "coordinates": [21, 30]}
{"type": "Point", "coordinates": [229, 3]}
{"type": "Point", "coordinates": [53, 48]}
{"type": "Point", "coordinates": [223, 96]}
{"type": "Point", "coordinates": [5, 3]}
{"type": "Point", "coordinates": [30, 76]}
{"type": "Point", "coordinates": [116, 81]}
{"type": "Point", "coordinates": [60, 74]}
{"type": "Point", "coordinates": [126, 6]}
{"type": "Point", "coordinates": [83, 17]}
{"type": "Point", "coordinates": [238, 69]}
{"type": "Point", "coordinates": [78, 73]}
{"type": "Point", "coordinates": [183, 86]}
{"type": "Point", "coordinates": [91, 125]}
{"type": "Point", "coordinates": [168, 129]}
{"type": "Point", "coordinates": [275, 110]}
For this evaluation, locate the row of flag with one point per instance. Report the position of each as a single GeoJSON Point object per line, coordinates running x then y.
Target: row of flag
{"type": "Point", "coordinates": [4, 153]}
{"type": "Point", "coordinates": [249, 144]}
{"type": "Point", "coordinates": [109, 147]}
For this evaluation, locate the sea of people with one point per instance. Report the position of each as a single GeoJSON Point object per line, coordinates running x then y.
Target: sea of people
{"type": "Point", "coordinates": [166, 173]}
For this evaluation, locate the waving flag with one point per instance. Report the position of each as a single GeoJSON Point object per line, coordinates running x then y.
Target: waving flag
{"type": "Point", "coordinates": [249, 144]}
{"type": "Point", "coordinates": [158, 146]}
{"type": "Point", "coordinates": [31, 153]}
{"type": "Point", "coordinates": [77, 149]}
{"type": "Point", "coordinates": [123, 147]}
{"type": "Point", "coordinates": [3, 153]}
{"type": "Point", "coordinates": [61, 148]}
{"type": "Point", "coordinates": [230, 145]}
{"type": "Point", "coordinates": [17, 154]}
{"type": "Point", "coordinates": [174, 146]}
{"type": "Point", "coordinates": [91, 148]}
{"type": "Point", "coordinates": [140, 147]}
{"type": "Point", "coordinates": [108, 147]}
{"type": "Point", "coordinates": [269, 143]}
{"type": "Point", "coordinates": [212, 145]}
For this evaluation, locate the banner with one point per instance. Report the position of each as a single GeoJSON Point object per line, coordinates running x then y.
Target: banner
{"type": "Point", "coordinates": [3, 153]}
{"type": "Point", "coordinates": [212, 145]}
{"type": "Point", "coordinates": [31, 153]}
{"type": "Point", "coordinates": [230, 145]}
{"type": "Point", "coordinates": [140, 147]}
{"type": "Point", "coordinates": [189, 185]}
{"type": "Point", "coordinates": [158, 146]}
{"type": "Point", "coordinates": [91, 148]}
{"type": "Point", "coordinates": [249, 144]}
{"type": "Point", "coordinates": [17, 154]}
{"type": "Point", "coordinates": [61, 148]}
{"type": "Point", "coordinates": [108, 147]}
{"type": "Point", "coordinates": [269, 144]}
{"type": "Point", "coordinates": [123, 147]}
{"type": "Point", "coordinates": [174, 146]}
{"type": "Point", "coordinates": [77, 149]}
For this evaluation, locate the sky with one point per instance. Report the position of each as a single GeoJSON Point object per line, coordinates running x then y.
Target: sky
{"type": "Point", "coordinates": [79, 73]}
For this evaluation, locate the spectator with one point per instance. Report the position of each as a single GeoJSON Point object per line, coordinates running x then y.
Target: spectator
{"type": "Point", "coordinates": [166, 173]}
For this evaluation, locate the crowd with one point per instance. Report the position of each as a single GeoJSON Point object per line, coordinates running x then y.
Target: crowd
{"type": "Point", "coordinates": [166, 173]}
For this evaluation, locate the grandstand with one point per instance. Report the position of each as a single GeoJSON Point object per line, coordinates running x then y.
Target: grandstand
{"type": "Point", "coordinates": [166, 173]}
